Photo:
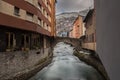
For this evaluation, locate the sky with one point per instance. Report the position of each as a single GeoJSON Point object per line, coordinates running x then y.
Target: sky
{"type": "Point", "coordinates": [72, 5]}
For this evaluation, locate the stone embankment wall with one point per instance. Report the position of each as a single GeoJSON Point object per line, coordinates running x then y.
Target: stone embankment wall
{"type": "Point", "coordinates": [13, 65]}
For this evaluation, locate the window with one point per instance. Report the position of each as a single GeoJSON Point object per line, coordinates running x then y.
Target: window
{"type": "Point", "coordinates": [47, 3]}
{"type": "Point", "coordinates": [47, 27]}
{"type": "Point", "coordinates": [10, 40]}
{"type": "Point", "coordinates": [47, 14]}
{"type": "Point", "coordinates": [36, 41]}
{"type": "Point", "coordinates": [42, 23]}
{"type": "Point", "coordinates": [44, 11]}
{"type": "Point", "coordinates": [39, 21]}
{"type": "Point", "coordinates": [25, 41]}
{"type": "Point", "coordinates": [22, 42]}
{"type": "Point", "coordinates": [16, 11]}
{"type": "Point", "coordinates": [45, 43]}
{"type": "Point", "coordinates": [39, 6]}
{"type": "Point", "coordinates": [29, 16]}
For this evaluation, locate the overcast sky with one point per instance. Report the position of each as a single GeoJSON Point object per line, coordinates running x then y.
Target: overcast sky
{"type": "Point", "coordinates": [73, 5]}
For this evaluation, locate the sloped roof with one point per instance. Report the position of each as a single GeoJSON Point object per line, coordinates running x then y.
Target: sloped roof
{"type": "Point", "coordinates": [88, 15]}
{"type": "Point", "coordinates": [83, 17]}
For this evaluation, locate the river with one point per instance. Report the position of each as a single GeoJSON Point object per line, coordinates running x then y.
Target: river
{"type": "Point", "coordinates": [66, 66]}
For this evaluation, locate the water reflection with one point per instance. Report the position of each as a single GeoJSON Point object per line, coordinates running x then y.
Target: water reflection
{"type": "Point", "coordinates": [65, 66]}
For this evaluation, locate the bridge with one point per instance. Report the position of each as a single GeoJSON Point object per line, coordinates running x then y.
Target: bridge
{"type": "Point", "coordinates": [73, 41]}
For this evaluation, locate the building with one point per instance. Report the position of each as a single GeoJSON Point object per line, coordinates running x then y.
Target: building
{"type": "Point", "coordinates": [90, 32]}
{"type": "Point", "coordinates": [53, 17]}
{"type": "Point", "coordinates": [26, 24]}
{"type": "Point", "coordinates": [108, 36]}
{"type": "Point", "coordinates": [77, 29]}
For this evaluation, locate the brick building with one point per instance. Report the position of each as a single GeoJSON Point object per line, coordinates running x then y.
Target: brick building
{"type": "Point", "coordinates": [26, 24]}
{"type": "Point", "coordinates": [77, 29]}
{"type": "Point", "coordinates": [90, 33]}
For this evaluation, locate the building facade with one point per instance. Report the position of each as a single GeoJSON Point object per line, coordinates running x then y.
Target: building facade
{"type": "Point", "coordinates": [77, 29]}
{"type": "Point", "coordinates": [26, 24]}
{"type": "Point", "coordinates": [108, 36]}
{"type": "Point", "coordinates": [90, 32]}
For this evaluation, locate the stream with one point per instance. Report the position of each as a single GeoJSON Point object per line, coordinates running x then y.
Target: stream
{"type": "Point", "coordinates": [66, 66]}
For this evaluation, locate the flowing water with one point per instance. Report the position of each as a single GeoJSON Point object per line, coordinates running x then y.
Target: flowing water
{"type": "Point", "coordinates": [66, 66]}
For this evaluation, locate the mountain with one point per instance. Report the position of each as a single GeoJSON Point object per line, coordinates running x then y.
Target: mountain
{"type": "Point", "coordinates": [67, 15]}
{"type": "Point", "coordinates": [64, 21]}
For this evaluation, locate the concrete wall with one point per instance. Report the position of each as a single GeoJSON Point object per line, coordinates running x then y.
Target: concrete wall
{"type": "Point", "coordinates": [108, 36]}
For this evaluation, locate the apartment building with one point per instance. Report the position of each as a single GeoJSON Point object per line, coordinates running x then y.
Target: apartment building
{"type": "Point", "coordinates": [77, 29]}
{"type": "Point", "coordinates": [90, 33]}
{"type": "Point", "coordinates": [26, 24]}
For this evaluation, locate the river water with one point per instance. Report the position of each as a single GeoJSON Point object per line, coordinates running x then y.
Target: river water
{"type": "Point", "coordinates": [66, 66]}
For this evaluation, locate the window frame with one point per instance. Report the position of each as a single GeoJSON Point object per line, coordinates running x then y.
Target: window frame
{"type": "Point", "coordinates": [16, 11]}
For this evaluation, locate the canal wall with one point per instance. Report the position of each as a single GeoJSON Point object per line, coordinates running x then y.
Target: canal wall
{"type": "Point", "coordinates": [91, 58]}
{"type": "Point", "coordinates": [21, 65]}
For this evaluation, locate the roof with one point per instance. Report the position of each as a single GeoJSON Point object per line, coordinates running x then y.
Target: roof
{"type": "Point", "coordinates": [78, 17]}
{"type": "Point", "coordinates": [88, 15]}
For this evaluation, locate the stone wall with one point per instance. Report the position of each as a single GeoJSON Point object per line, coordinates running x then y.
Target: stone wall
{"type": "Point", "coordinates": [73, 41]}
{"type": "Point", "coordinates": [14, 62]}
